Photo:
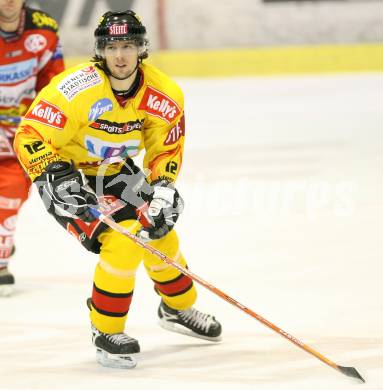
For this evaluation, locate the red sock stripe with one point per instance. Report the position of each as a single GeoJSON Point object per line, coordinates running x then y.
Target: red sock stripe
{"type": "Point", "coordinates": [105, 301]}
{"type": "Point", "coordinates": [174, 287]}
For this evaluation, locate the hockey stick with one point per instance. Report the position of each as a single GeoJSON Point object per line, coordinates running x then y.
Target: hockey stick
{"type": "Point", "coordinates": [349, 371]}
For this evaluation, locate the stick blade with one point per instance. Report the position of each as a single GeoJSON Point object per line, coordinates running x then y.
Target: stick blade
{"type": "Point", "coordinates": [351, 371]}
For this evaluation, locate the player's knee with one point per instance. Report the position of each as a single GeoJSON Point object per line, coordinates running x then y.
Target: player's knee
{"type": "Point", "coordinates": [119, 252]}
{"type": "Point", "coordinates": [168, 243]}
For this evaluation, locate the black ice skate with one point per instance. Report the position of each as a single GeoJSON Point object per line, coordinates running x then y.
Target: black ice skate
{"type": "Point", "coordinates": [7, 282]}
{"type": "Point", "coordinates": [190, 322]}
{"type": "Point", "coordinates": [115, 350]}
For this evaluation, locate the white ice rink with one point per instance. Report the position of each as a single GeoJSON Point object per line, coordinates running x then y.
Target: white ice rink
{"type": "Point", "coordinates": [283, 183]}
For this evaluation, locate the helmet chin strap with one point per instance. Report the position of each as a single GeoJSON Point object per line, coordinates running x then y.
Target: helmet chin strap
{"type": "Point", "coordinates": [122, 78]}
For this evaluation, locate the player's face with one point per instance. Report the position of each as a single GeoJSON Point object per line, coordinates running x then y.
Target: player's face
{"type": "Point", "coordinates": [10, 10]}
{"type": "Point", "coordinates": [121, 57]}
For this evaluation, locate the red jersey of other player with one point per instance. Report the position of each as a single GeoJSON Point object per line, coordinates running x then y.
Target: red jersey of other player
{"type": "Point", "coordinates": [30, 55]}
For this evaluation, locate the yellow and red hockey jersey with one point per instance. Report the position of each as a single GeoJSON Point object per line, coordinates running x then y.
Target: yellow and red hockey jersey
{"type": "Point", "coordinates": [77, 117]}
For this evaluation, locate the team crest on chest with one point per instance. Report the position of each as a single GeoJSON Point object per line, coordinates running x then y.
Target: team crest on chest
{"type": "Point", "coordinates": [35, 43]}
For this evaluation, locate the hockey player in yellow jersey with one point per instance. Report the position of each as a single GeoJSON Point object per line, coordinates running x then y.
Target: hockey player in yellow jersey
{"type": "Point", "coordinates": [77, 142]}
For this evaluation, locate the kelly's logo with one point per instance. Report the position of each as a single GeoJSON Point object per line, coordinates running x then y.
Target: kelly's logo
{"type": "Point", "coordinates": [47, 114]}
{"type": "Point", "coordinates": [160, 105]}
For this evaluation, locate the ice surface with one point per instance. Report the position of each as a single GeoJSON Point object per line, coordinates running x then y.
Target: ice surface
{"type": "Point", "coordinates": [283, 182]}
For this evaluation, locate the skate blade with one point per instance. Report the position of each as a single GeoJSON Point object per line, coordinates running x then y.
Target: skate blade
{"type": "Point", "coordinates": [115, 361]}
{"type": "Point", "coordinates": [173, 327]}
{"type": "Point", "coordinates": [6, 290]}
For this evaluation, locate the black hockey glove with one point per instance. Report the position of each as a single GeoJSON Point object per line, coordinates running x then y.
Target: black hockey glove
{"type": "Point", "coordinates": [62, 190]}
{"type": "Point", "coordinates": [165, 206]}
